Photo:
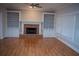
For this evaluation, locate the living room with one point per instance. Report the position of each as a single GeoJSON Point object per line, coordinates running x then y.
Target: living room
{"type": "Point", "coordinates": [37, 25]}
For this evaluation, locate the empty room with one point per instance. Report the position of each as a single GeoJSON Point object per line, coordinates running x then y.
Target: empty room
{"type": "Point", "coordinates": [39, 29]}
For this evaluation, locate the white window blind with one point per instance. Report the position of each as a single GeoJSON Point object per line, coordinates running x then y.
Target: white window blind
{"type": "Point", "coordinates": [13, 19]}
{"type": "Point", "coordinates": [48, 21]}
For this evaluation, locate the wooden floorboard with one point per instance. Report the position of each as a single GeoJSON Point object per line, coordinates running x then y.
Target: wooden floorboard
{"type": "Point", "coordinates": [34, 47]}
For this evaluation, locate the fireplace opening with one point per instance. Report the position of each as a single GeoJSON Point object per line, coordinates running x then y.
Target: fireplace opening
{"type": "Point", "coordinates": [31, 30]}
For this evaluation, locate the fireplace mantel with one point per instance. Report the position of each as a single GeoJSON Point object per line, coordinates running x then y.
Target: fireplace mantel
{"type": "Point", "coordinates": [26, 21]}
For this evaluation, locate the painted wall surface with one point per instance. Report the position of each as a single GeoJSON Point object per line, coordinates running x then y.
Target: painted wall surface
{"type": "Point", "coordinates": [48, 33]}
{"type": "Point", "coordinates": [4, 22]}
{"type": "Point", "coordinates": [1, 29]}
{"type": "Point", "coordinates": [34, 15]}
{"type": "Point", "coordinates": [77, 29]}
{"type": "Point", "coordinates": [12, 32]}
{"type": "Point", "coordinates": [65, 25]}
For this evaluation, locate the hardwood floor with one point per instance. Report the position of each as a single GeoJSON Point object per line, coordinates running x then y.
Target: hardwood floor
{"type": "Point", "coordinates": [34, 47]}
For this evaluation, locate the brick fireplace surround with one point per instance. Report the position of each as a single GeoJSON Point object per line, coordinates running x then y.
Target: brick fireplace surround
{"type": "Point", "coordinates": [31, 26]}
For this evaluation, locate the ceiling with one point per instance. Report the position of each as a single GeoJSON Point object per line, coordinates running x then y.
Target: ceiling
{"type": "Point", "coordinates": [45, 6]}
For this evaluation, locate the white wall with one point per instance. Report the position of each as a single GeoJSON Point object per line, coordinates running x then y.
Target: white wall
{"type": "Point", "coordinates": [48, 33]}
{"type": "Point", "coordinates": [33, 15]}
{"type": "Point", "coordinates": [12, 32]}
{"type": "Point", "coordinates": [1, 24]}
{"type": "Point", "coordinates": [4, 22]}
{"type": "Point", "coordinates": [65, 25]}
{"type": "Point", "coordinates": [77, 29]}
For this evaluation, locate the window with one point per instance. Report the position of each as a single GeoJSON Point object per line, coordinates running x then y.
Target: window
{"type": "Point", "coordinates": [48, 21]}
{"type": "Point", "coordinates": [12, 19]}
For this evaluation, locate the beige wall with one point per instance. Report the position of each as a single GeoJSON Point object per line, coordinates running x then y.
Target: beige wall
{"type": "Point", "coordinates": [32, 15]}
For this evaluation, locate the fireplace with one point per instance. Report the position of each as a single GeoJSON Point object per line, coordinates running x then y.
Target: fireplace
{"type": "Point", "coordinates": [31, 28]}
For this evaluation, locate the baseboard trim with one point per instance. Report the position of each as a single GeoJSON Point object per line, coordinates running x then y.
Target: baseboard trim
{"type": "Point", "coordinates": [68, 43]}
{"type": "Point", "coordinates": [49, 37]}
{"type": "Point", "coordinates": [11, 38]}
